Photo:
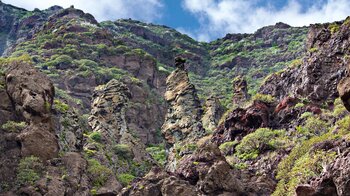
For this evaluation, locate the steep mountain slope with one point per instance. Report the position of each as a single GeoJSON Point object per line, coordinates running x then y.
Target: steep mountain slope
{"type": "Point", "coordinates": [19, 24]}
{"type": "Point", "coordinates": [90, 108]}
{"type": "Point", "coordinates": [213, 65]}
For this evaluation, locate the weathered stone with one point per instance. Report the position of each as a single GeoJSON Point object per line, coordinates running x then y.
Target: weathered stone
{"type": "Point", "coordinates": [212, 114]}
{"type": "Point", "coordinates": [183, 120]}
{"type": "Point", "coordinates": [321, 69]}
{"type": "Point", "coordinates": [32, 95]}
{"type": "Point", "coordinates": [240, 90]}
{"type": "Point", "coordinates": [108, 118]}
{"type": "Point", "coordinates": [344, 92]}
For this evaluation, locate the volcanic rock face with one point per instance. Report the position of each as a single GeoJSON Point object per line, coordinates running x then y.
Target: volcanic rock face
{"type": "Point", "coordinates": [108, 119]}
{"type": "Point", "coordinates": [322, 68]}
{"type": "Point", "coordinates": [209, 171]}
{"type": "Point", "coordinates": [108, 111]}
{"type": "Point", "coordinates": [240, 122]}
{"type": "Point", "coordinates": [157, 183]}
{"type": "Point", "coordinates": [32, 95]}
{"type": "Point", "coordinates": [205, 172]}
{"type": "Point", "coordinates": [344, 90]}
{"type": "Point", "coordinates": [18, 25]}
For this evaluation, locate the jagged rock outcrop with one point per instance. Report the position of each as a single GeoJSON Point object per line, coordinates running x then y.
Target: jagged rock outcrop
{"type": "Point", "coordinates": [32, 93]}
{"type": "Point", "coordinates": [205, 172]}
{"type": "Point", "coordinates": [212, 113]}
{"type": "Point", "coordinates": [184, 110]}
{"type": "Point", "coordinates": [108, 111]}
{"type": "Point", "coordinates": [209, 171]}
{"type": "Point", "coordinates": [25, 113]}
{"type": "Point", "coordinates": [108, 117]}
{"type": "Point", "coordinates": [241, 122]}
{"type": "Point", "coordinates": [119, 149]}
{"type": "Point", "coordinates": [183, 121]}
{"type": "Point", "coordinates": [157, 182]}
{"type": "Point", "coordinates": [321, 69]}
{"type": "Point", "coordinates": [240, 90]}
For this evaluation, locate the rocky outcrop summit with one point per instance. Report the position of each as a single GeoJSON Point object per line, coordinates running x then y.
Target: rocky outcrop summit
{"type": "Point", "coordinates": [183, 120]}
{"type": "Point", "coordinates": [184, 110]}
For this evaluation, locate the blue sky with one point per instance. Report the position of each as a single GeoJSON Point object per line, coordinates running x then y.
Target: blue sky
{"type": "Point", "coordinates": [207, 20]}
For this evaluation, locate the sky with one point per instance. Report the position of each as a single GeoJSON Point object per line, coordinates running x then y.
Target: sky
{"type": "Point", "coordinates": [207, 20]}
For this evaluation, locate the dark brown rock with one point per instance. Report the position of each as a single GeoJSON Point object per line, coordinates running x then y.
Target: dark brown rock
{"type": "Point", "coordinates": [241, 122]}
{"type": "Point", "coordinates": [344, 92]}
{"type": "Point", "coordinates": [32, 95]}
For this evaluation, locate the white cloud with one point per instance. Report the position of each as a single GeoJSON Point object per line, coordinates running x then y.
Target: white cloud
{"type": "Point", "coordinates": [218, 17]}
{"type": "Point", "coordinates": [145, 10]}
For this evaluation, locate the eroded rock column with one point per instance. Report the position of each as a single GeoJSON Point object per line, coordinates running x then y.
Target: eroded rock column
{"type": "Point", "coordinates": [183, 121]}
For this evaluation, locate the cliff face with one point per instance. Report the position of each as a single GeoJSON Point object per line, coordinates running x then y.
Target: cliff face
{"type": "Point", "coordinates": [88, 108]}
{"type": "Point", "coordinates": [18, 25]}
{"type": "Point", "coordinates": [321, 69]}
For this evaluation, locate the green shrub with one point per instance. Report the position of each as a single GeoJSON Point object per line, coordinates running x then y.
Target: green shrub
{"type": "Point", "coordinates": [99, 174]}
{"type": "Point", "coordinates": [158, 153]}
{"type": "Point", "coordinates": [313, 127]}
{"type": "Point", "coordinates": [316, 126]}
{"type": "Point", "coordinates": [29, 170]}
{"type": "Point", "coordinates": [290, 170]}
{"type": "Point", "coordinates": [299, 105]}
{"type": "Point", "coordinates": [84, 64]}
{"type": "Point", "coordinates": [305, 167]}
{"type": "Point", "coordinates": [263, 98]}
{"type": "Point", "coordinates": [334, 27]}
{"type": "Point", "coordinates": [261, 140]}
{"type": "Point", "coordinates": [123, 150]}
{"type": "Point", "coordinates": [344, 125]}
{"type": "Point", "coordinates": [62, 60]}
{"type": "Point", "coordinates": [306, 115]}
{"type": "Point", "coordinates": [60, 106]}
{"type": "Point", "coordinates": [339, 110]}
{"type": "Point", "coordinates": [13, 126]}
{"type": "Point", "coordinates": [125, 178]}
{"type": "Point", "coordinates": [96, 136]}
{"type": "Point", "coordinates": [312, 50]}
{"type": "Point", "coordinates": [227, 147]}
{"type": "Point", "coordinates": [295, 63]}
